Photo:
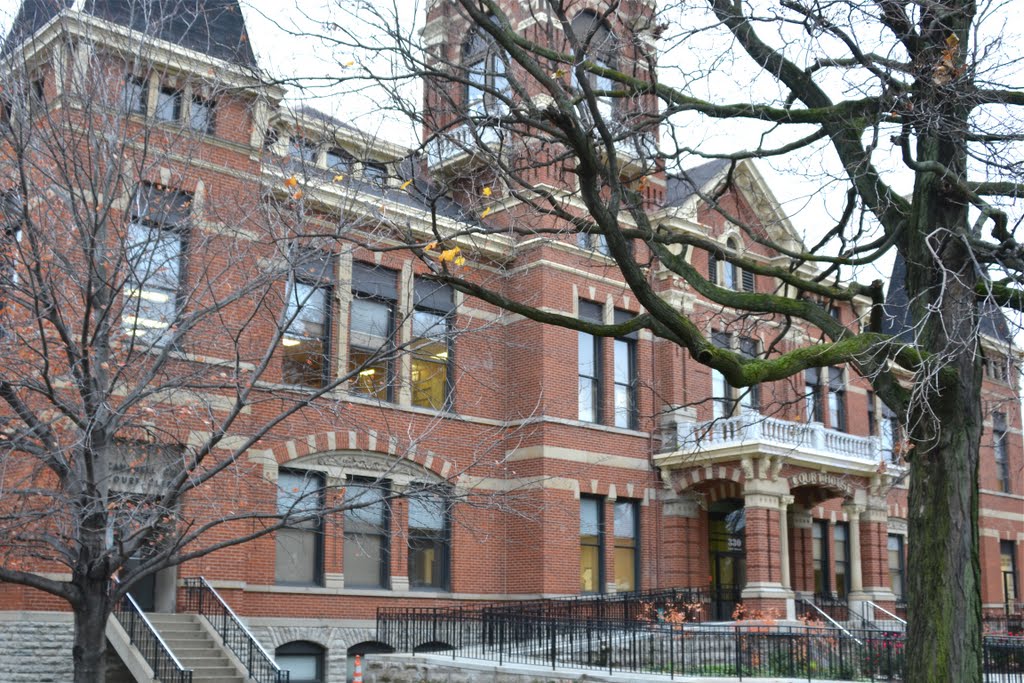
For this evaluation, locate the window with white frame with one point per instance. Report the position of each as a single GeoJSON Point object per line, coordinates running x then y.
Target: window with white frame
{"type": "Point", "coordinates": [135, 95]}
{"type": "Point", "coordinates": [168, 104]}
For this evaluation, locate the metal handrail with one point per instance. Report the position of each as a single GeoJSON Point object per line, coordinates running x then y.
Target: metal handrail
{"type": "Point", "coordinates": [883, 610]}
{"type": "Point", "coordinates": [830, 619]}
{"type": "Point", "coordinates": [252, 646]}
{"type": "Point", "coordinates": [184, 675]}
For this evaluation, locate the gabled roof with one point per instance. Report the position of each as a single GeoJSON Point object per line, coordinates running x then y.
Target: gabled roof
{"type": "Point", "coordinates": [213, 27]}
{"type": "Point", "coordinates": [896, 318]}
{"type": "Point", "coordinates": [679, 188]}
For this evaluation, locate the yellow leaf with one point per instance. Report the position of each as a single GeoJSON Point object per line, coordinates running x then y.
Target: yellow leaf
{"type": "Point", "coordinates": [298, 195]}
{"type": "Point", "coordinates": [349, 63]}
{"type": "Point", "coordinates": [450, 254]}
{"type": "Point", "coordinates": [460, 261]}
{"type": "Point", "coordinates": [487, 191]}
{"type": "Point", "coordinates": [558, 73]}
{"type": "Point", "coordinates": [338, 178]}
{"type": "Point", "coordinates": [406, 184]}
{"type": "Point", "coordinates": [952, 41]}
{"type": "Point", "coordinates": [431, 246]}
{"type": "Point", "coordinates": [486, 212]}
{"type": "Point", "coordinates": [291, 182]}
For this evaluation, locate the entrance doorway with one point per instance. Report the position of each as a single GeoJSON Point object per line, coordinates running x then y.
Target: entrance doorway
{"type": "Point", "coordinates": [726, 531]}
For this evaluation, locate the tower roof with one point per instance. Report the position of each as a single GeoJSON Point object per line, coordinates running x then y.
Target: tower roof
{"type": "Point", "coordinates": [214, 27]}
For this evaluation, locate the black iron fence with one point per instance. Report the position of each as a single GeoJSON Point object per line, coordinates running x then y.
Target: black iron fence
{"type": "Point", "coordinates": [201, 598]}
{"type": "Point", "coordinates": [646, 646]}
{"type": "Point", "coordinates": [145, 638]}
{"type": "Point", "coordinates": [673, 605]}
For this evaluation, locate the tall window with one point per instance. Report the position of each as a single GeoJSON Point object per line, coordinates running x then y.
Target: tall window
{"type": "Point", "coordinates": [627, 558]}
{"type": "Point", "coordinates": [625, 375]}
{"type": "Point", "coordinates": [200, 115]}
{"type": "Point", "coordinates": [1008, 569]}
{"type": "Point", "coordinates": [432, 345]}
{"type": "Point", "coordinates": [589, 365]}
{"type": "Point", "coordinates": [429, 540]}
{"type": "Point", "coordinates": [842, 558]}
{"type": "Point", "coordinates": [749, 398]}
{"type": "Point", "coordinates": [598, 45]}
{"type": "Point", "coordinates": [11, 234]}
{"type": "Point", "coordinates": [366, 548]}
{"type": "Point", "coordinates": [819, 553]}
{"type": "Point", "coordinates": [303, 660]}
{"type": "Point", "coordinates": [302, 151]}
{"type": "Point", "coordinates": [371, 328]}
{"type": "Point", "coordinates": [730, 271]}
{"type": "Point", "coordinates": [897, 565]}
{"type": "Point", "coordinates": [486, 79]}
{"type": "Point", "coordinates": [721, 391]}
{"type": "Point", "coordinates": [1000, 446]}
{"type": "Point", "coordinates": [836, 399]}
{"type": "Point", "coordinates": [591, 545]}
{"type": "Point", "coordinates": [168, 105]}
{"type": "Point", "coordinates": [299, 557]}
{"type": "Point", "coordinates": [135, 95]}
{"type": "Point", "coordinates": [726, 397]}
{"type": "Point", "coordinates": [306, 341]}
{"type": "Point", "coordinates": [154, 252]}
{"type": "Point", "coordinates": [339, 161]}
{"type": "Point", "coordinates": [812, 395]}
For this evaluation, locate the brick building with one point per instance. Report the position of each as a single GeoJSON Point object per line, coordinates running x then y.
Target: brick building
{"type": "Point", "coordinates": [575, 464]}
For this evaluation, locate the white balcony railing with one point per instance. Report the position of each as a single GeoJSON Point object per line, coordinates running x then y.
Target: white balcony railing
{"type": "Point", "coordinates": [750, 428]}
{"type": "Point", "coordinates": [463, 140]}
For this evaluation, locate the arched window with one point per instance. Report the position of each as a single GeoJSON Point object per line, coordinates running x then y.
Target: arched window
{"type": "Point", "coordinates": [596, 43]}
{"type": "Point", "coordinates": [730, 271]}
{"type": "Point", "coordinates": [303, 660]}
{"type": "Point", "coordinates": [486, 79]}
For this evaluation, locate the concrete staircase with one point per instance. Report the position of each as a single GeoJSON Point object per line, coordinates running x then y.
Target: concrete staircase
{"type": "Point", "coordinates": [196, 648]}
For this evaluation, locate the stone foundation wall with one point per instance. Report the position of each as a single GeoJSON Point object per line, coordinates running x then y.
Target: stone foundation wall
{"type": "Point", "coordinates": [438, 669]}
{"type": "Point", "coordinates": [35, 647]}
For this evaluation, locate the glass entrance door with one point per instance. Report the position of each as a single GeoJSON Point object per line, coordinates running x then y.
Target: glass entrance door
{"type": "Point", "coordinates": [728, 563]}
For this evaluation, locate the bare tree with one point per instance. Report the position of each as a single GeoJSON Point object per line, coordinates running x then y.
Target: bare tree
{"type": "Point", "coordinates": [911, 110]}
{"type": "Point", "coordinates": [161, 321]}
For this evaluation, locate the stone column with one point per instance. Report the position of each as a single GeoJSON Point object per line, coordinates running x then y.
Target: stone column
{"type": "Point", "coordinates": [800, 521]}
{"type": "Point", "coordinates": [764, 589]}
{"type": "Point", "coordinates": [680, 525]}
{"type": "Point", "coordinates": [784, 503]}
{"type": "Point", "coordinates": [856, 598]}
{"type": "Point", "coordinates": [874, 527]}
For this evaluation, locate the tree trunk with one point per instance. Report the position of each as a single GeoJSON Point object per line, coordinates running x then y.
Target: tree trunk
{"type": "Point", "coordinates": [945, 422]}
{"type": "Point", "coordinates": [89, 652]}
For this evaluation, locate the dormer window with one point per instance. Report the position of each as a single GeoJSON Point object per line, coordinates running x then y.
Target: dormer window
{"type": "Point", "coordinates": [301, 150]}
{"type": "Point", "coordinates": [339, 161]}
{"type": "Point", "coordinates": [200, 116]}
{"type": "Point", "coordinates": [375, 173]}
{"type": "Point", "coordinates": [728, 275]}
{"type": "Point", "coordinates": [486, 78]}
{"type": "Point", "coordinates": [135, 94]}
{"type": "Point", "coordinates": [168, 105]}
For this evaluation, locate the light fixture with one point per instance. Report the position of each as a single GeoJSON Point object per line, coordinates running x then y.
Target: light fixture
{"type": "Point", "coordinates": [148, 295]}
{"type": "Point", "coordinates": [367, 372]}
{"type": "Point", "coordinates": [288, 341]}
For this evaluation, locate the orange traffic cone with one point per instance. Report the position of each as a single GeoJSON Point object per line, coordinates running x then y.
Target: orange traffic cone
{"type": "Point", "coordinates": [357, 675]}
